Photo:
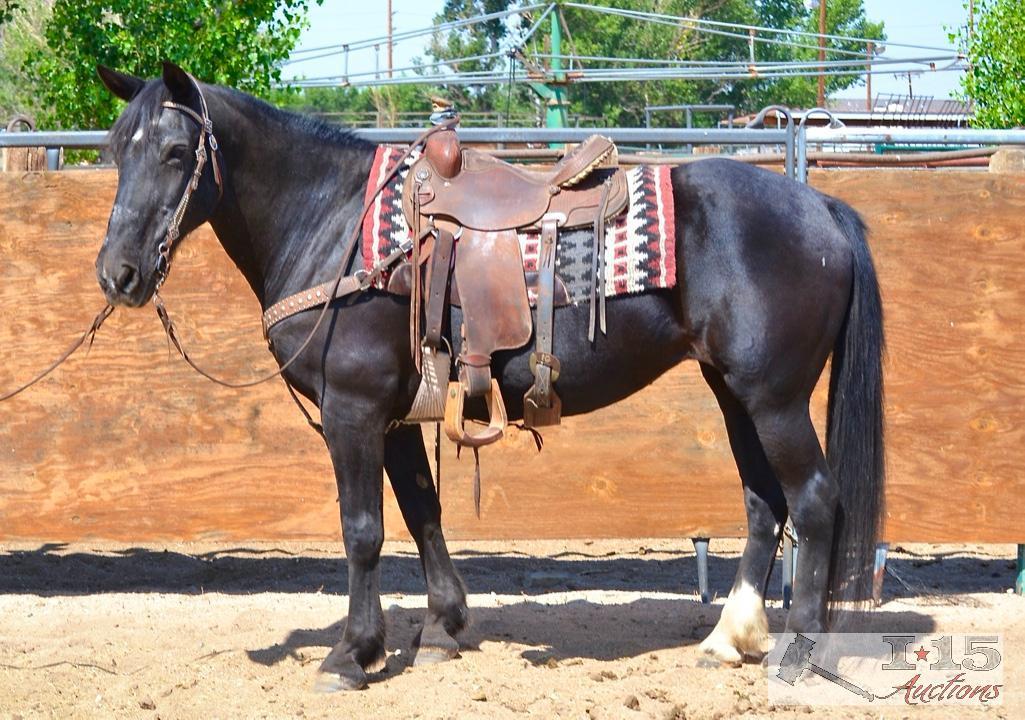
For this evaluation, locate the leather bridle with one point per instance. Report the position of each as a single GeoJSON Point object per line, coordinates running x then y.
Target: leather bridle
{"type": "Point", "coordinates": [206, 137]}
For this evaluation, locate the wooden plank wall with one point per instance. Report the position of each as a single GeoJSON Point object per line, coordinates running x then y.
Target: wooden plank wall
{"type": "Point", "coordinates": [129, 445]}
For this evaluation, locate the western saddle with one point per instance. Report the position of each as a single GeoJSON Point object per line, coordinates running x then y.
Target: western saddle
{"type": "Point", "coordinates": [464, 209]}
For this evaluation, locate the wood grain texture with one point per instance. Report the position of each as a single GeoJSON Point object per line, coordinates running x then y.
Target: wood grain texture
{"type": "Point", "coordinates": [129, 445]}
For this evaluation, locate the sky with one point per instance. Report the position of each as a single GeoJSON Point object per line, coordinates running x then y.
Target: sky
{"type": "Point", "coordinates": [922, 22]}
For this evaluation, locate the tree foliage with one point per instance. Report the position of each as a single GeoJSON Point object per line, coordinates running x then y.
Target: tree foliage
{"type": "Point", "coordinates": [232, 42]}
{"type": "Point", "coordinates": [996, 56]}
{"type": "Point", "coordinates": [21, 37]}
{"type": "Point", "coordinates": [7, 10]}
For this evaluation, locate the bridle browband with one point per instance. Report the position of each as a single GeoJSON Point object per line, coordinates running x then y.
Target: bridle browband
{"type": "Point", "coordinates": [206, 137]}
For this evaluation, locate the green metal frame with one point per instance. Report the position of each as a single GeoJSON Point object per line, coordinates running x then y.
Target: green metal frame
{"type": "Point", "coordinates": [554, 93]}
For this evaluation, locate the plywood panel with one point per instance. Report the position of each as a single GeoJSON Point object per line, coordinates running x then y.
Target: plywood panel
{"type": "Point", "coordinates": [129, 445]}
{"type": "Point", "coordinates": [950, 249]}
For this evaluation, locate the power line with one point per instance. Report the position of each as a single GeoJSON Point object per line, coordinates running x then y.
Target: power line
{"type": "Point", "coordinates": [848, 63]}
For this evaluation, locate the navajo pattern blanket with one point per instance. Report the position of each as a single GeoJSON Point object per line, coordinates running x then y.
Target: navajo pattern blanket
{"type": "Point", "coordinates": [640, 245]}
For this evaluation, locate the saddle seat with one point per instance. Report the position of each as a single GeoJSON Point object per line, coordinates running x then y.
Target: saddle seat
{"type": "Point", "coordinates": [468, 204]}
{"type": "Point", "coordinates": [482, 192]}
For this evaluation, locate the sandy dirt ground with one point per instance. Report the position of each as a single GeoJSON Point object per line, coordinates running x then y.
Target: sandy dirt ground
{"type": "Point", "coordinates": [590, 630]}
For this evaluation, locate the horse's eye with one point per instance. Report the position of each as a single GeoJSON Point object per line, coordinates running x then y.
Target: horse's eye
{"type": "Point", "coordinates": [174, 154]}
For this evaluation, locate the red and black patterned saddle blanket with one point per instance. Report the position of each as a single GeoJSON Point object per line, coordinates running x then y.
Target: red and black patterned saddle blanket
{"type": "Point", "coordinates": [640, 245]}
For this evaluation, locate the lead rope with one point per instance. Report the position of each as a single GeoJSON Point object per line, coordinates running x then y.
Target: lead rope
{"type": "Point", "coordinates": [88, 336]}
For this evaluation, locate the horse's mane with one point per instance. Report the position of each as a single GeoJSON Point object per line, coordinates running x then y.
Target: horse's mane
{"type": "Point", "coordinates": [144, 106]}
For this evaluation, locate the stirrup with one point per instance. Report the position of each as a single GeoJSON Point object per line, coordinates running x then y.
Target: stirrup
{"type": "Point", "coordinates": [454, 424]}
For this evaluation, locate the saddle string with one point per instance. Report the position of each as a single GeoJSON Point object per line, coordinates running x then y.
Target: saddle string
{"type": "Point", "coordinates": [414, 314]}
{"type": "Point", "coordinates": [598, 267]}
{"type": "Point", "coordinates": [364, 279]}
{"type": "Point", "coordinates": [85, 338]}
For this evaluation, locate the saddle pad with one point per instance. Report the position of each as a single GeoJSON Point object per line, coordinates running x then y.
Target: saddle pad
{"type": "Point", "coordinates": [640, 245]}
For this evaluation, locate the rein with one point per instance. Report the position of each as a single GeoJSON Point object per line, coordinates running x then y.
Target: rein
{"type": "Point", "coordinates": [88, 336]}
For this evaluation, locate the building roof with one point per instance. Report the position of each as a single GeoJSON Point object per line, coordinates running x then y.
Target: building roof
{"type": "Point", "coordinates": [886, 110]}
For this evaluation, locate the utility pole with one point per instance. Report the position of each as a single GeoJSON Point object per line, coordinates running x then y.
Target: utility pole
{"type": "Point", "coordinates": [868, 76]}
{"type": "Point", "coordinates": [822, 53]}
{"type": "Point", "coordinates": [389, 39]}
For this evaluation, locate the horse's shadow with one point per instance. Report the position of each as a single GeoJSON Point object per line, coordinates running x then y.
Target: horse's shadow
{"type": "Point", "coordinates": [556, 633]}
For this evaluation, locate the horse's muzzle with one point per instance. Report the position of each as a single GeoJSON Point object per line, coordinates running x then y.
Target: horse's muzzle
{"type": "Point", "coordinates": [122, 283]}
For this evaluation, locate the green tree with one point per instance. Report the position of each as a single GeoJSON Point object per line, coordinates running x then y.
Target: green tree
{"type": "Point", "coordinates": [491, 37]}
{"type": "Point", "coordinates": [996, 55]}
{"type": "Point", "coordinates": [374, 106]}
{"type": "Point", "coordinates": [21, 36]}
{"type": "Point", "coordinates": [7, 10]}
{"type": "Point", "coordinates": [232, 42]}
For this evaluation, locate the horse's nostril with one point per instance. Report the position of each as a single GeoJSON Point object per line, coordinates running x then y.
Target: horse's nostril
{"type": "Point", "coordinates": [127, 278]}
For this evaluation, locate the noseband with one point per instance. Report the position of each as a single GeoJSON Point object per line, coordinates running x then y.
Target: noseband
{"type": "Point", "coordinates": [206, 137]}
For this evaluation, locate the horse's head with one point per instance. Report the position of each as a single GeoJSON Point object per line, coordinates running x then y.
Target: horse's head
{"type": "Point", "coordinates": [165, 189]}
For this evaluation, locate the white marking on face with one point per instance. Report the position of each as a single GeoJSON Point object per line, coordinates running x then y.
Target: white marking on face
{"type": "Point", "coordinates": [137, 136]}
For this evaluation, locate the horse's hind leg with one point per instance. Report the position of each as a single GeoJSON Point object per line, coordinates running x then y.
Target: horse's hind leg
{"type": "Point", "coordinates": [742, 630]}
{"type": "Point", "coordinates": [409, 470]}
{"type": "Point", "coordinates": [812, 494]}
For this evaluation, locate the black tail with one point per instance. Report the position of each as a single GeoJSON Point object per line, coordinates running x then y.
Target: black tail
{"type": "Point", "coordinates": [854, 425]}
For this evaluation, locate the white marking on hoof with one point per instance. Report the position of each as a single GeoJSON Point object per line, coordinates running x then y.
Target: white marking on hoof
{"type": "Point", "coordinates": [333, 682]}
{"type": "Point", "coordinates": [742, 630]}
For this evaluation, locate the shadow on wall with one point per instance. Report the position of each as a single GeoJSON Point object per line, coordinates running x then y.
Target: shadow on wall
{"type": "Point", "coordinates": [49, 570]}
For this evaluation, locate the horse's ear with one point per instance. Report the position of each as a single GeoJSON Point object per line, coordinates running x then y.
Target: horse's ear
{"type": "Point", "coordinates": [177, 81]}
{"type": "Point", "coordinates": [121, 84]}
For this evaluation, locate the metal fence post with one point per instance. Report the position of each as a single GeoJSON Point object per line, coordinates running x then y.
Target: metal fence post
{"type": "Point", "coordinates": [788, 569]}
{"type": "Point", "coordinates": [802, 139]}
{"type": "Point", "coordinates": [879, 572]}
{"type": "Point", "coordinates": [701, 551]}
{"type": "Point", "coordinates": [1019, 583]}
{"type": "Point", "coordinates": [802, 154]}
{"type": "Point", "coordinates": [791, 150]}
{"type": "Point", "coordinates": [789, 153]}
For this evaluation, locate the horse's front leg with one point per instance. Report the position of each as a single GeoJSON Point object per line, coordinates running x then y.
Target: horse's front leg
{"type": "Point", "coordinates": [409, 470]}
{"type": "Point", "coordinates": [357, 452]}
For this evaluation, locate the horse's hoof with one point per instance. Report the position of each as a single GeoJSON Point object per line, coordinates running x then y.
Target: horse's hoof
{"type": "Point", "coordinates": [330, 682]}
{"type": "Point", "coordinates": [341, 671]}
{"type": "Point", "coordinates": [434, 655]}
{"type": "Point", "coordinates": [434, 645]}
{"type": "Point", "coordinates": [716, 650]}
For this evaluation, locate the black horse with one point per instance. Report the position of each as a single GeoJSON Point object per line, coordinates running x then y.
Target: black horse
{"type": "Point", "coordinates": [773, 278]}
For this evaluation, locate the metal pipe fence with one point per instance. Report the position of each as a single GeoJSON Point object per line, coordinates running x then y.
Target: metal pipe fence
{"type": "Point", "coordinates": [795, 149]}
